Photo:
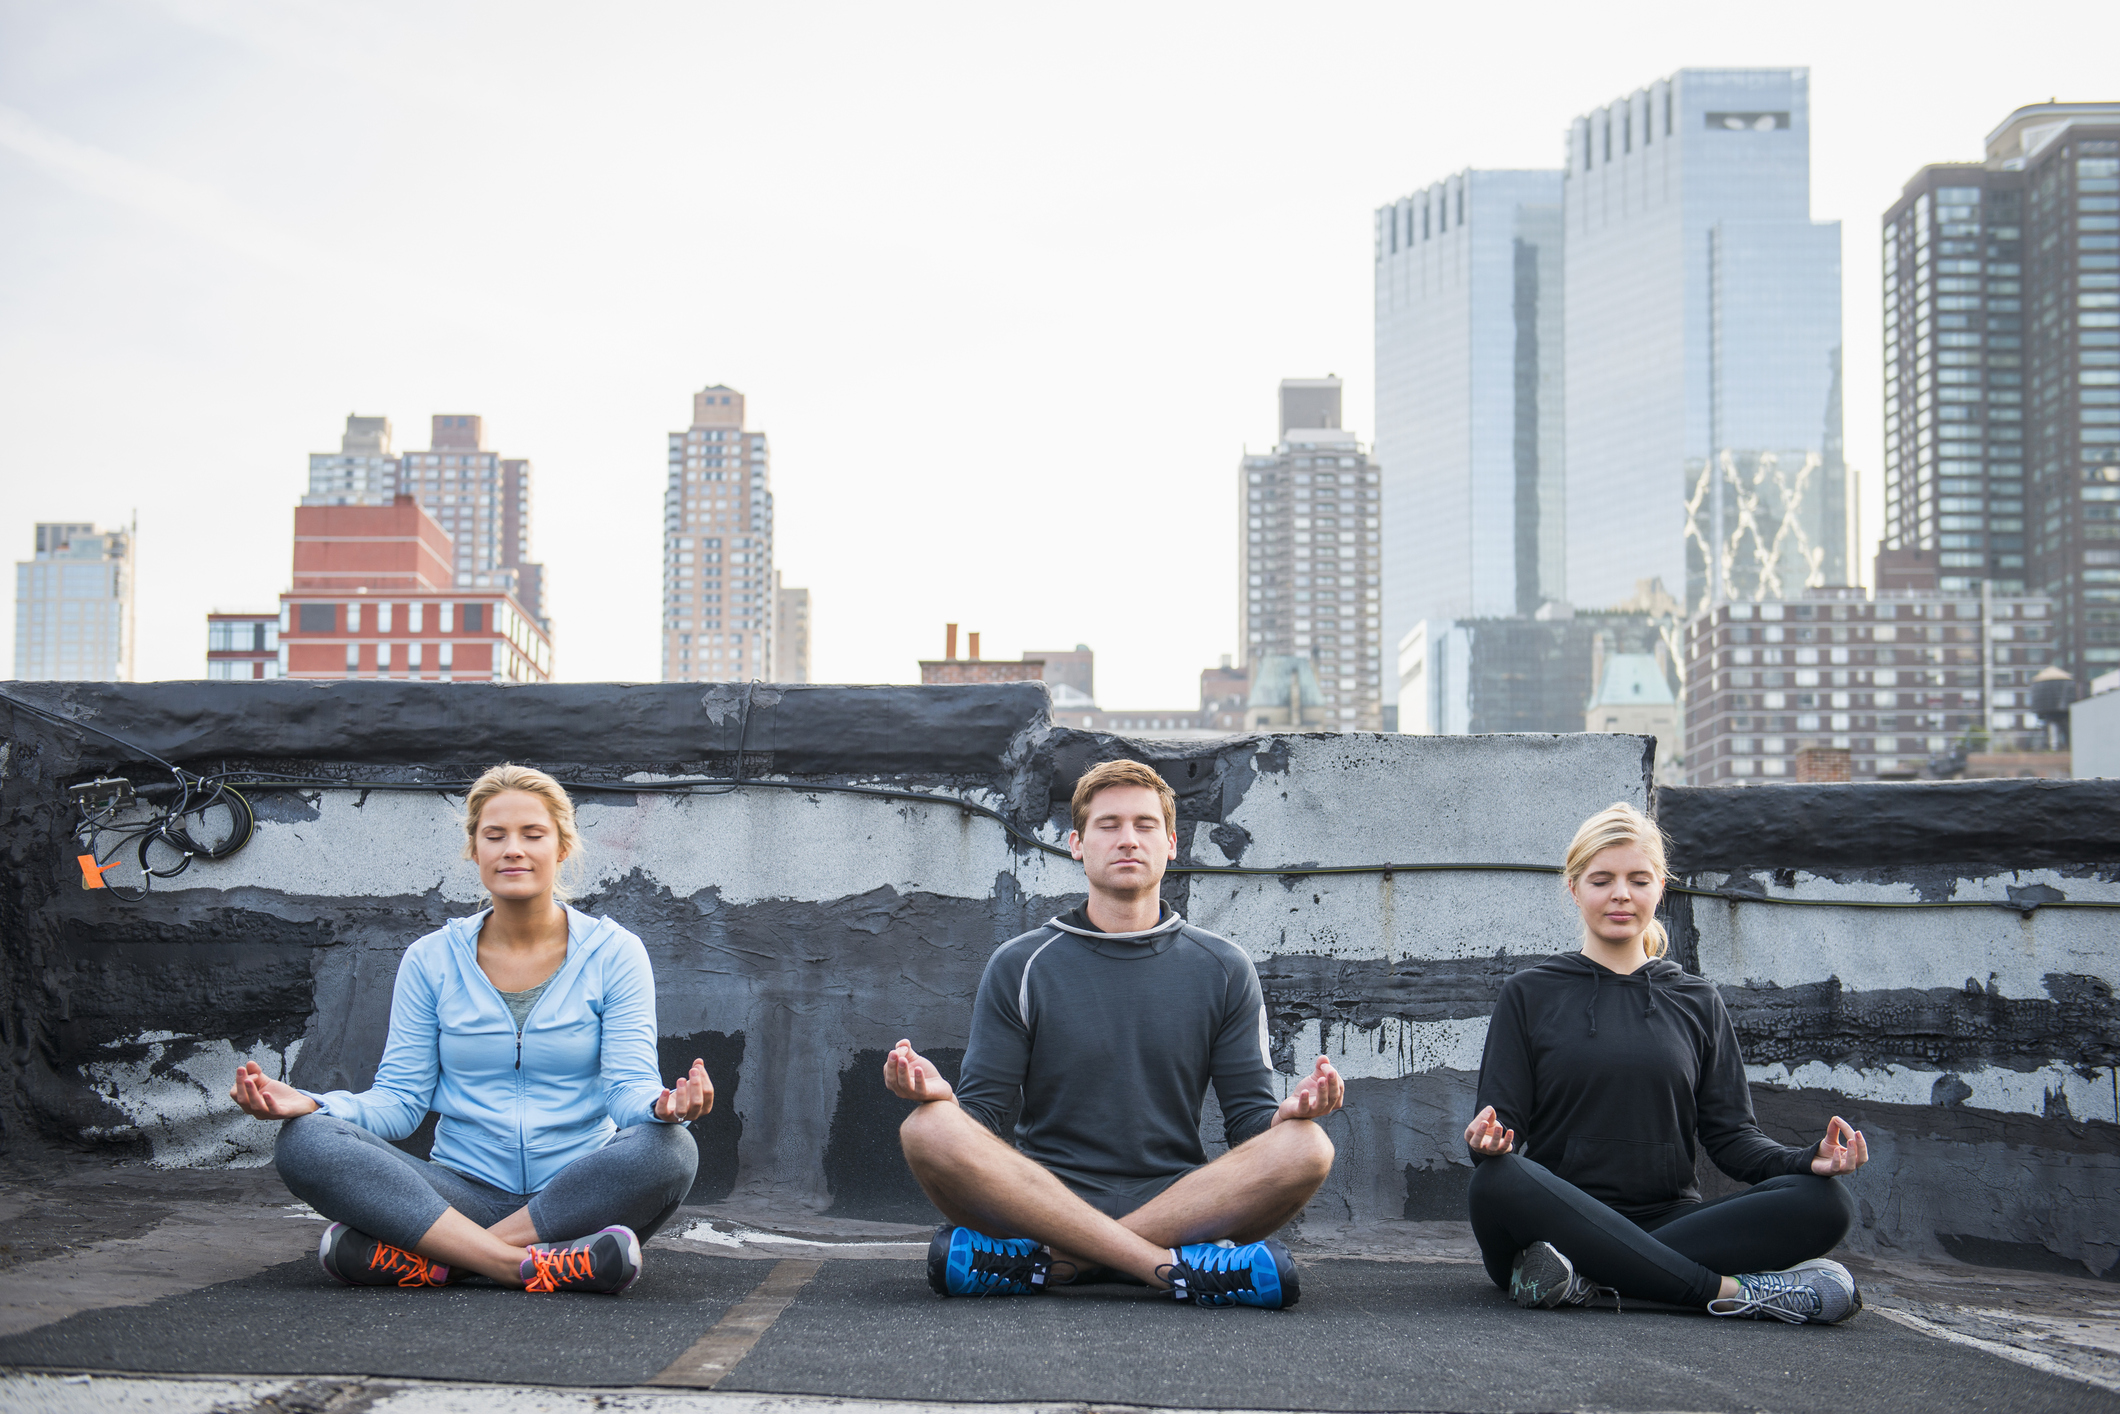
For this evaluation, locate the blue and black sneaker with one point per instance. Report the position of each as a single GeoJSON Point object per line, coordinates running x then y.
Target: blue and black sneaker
{"type": "Point", "coordinates": [1255, 1274]}
{"type": "Point", "coordinates": [966, 1263]}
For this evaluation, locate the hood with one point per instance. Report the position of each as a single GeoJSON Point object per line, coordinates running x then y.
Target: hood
{"type": "Point", "coordinates": [1659, 972]}
{"type": "Point", "coordinates": [1076, 921]}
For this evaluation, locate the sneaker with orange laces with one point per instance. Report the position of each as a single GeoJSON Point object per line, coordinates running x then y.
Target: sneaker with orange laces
{"type": "Point", "coordinates": [356, 1259]}
{"type": "Point", "coordinates": [607, 1261]}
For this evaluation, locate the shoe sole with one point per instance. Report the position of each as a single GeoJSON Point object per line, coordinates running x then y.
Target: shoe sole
{"type": "Point", "coordinates": [1540, 1274]}
{"type": "Point", "coordinates": [324, 1253]}
{"type": "Point", "coordinates": [1284, 1267]}
{"type": "Point", "coordinates": [632, 1256]}
{"type": "Point", "coordinates": [938, 1262]}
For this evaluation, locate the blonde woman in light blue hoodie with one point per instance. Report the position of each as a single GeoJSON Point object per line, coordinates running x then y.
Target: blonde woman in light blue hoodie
{"type": "Point", "coordinates": [529, 1028]}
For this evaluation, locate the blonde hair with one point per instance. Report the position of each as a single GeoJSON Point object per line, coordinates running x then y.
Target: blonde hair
{"type": "Point", "coordinates": [1620, 824]}
{"type": "Point", "coordinates": [530, 781]}
{"type": "Point", "coordinates": [1107, 774]}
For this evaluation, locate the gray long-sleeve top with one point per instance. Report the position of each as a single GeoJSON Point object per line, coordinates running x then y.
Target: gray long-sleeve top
{"type": "Point", "coordinates": [1112, 1040]}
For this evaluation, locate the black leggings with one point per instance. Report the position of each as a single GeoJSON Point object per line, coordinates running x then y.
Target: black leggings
{"type": "Point", "coordinates": [1766, 1228]}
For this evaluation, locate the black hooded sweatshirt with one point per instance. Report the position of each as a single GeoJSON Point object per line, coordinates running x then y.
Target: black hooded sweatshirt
{"type": "Point", "coordinates": [1609, 1078]}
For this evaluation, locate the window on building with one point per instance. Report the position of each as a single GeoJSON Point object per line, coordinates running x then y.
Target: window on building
{"type": "Point", "coordinates": [474, 618]}
{"type": "Point", "coordinates": [319, 618]}
{"type": "Point", "coordinates": [1747, 122]}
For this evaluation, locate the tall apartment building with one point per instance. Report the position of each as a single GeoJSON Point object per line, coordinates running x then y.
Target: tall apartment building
{"type": "Point", "coordinates": [74, 605]}
{"type": "Point", "coordinates": [375, 596]}
{"type": "Point", "coordinates": [791, 632]}
{"type": "Point", "coordinates": [479, 497]}
{"type": "Point", "coordinates": [1469, 425]}
{"type": "Point", "coordinates": [2002, 371]}
{"type": "Point", "coordinates": [1893, 680]}
{"type": "Point", "coordinates": [1309, 581]}
{"type": "Point", "coordinates": [718, 583]}
{"type": "Point", "coordinates": [1701, 346]}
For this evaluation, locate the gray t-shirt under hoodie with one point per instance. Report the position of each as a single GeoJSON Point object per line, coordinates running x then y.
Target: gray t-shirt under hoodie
{"type": "Point", "coordinates": [1111, 1040]}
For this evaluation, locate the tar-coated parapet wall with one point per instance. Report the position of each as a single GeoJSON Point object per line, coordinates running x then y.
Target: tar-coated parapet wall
{"type": "Point", "coordinates": [798, 932]}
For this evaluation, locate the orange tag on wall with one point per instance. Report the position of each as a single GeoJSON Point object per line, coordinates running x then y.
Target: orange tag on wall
{"type": "Point", "coordinates": [92, 872]}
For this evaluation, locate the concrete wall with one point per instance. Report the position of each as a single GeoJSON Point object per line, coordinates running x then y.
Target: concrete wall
{"type": "Point", "coordinates": [797, 934]}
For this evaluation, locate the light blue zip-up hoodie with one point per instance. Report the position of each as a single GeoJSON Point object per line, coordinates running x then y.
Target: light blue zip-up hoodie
{"type": "Point", "coordinates": [515, 1108]}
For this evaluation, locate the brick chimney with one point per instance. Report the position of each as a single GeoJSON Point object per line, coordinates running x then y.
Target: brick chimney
{"type": "Point", "coordinates": [975, 647]}
{"type": "Point", "coordinates": [949, 638]}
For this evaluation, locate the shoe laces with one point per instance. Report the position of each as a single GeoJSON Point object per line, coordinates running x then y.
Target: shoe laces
{"type": "Point", "coordinates": [1211, 1282]}
{"type": "Point", "coordinates": [1775, 1294]}
{"type": "Point", "coordinates": [412, 1269]}
{"type": "Point", "coordinates": [995, 1270]}
{"type": "Point", "coordinates": [555, 1265]}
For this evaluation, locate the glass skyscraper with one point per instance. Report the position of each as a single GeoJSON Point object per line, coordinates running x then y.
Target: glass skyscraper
{"type": "Point", "coordinates": [1468, 348]}
{"type": "Point", "coordinates": [1702, 346]}
{"type": "Point", "coordinates": [74, 605]}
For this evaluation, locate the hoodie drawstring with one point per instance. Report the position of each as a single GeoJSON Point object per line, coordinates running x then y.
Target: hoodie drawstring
{"type": "Point", "coordinates": [1650, 983]}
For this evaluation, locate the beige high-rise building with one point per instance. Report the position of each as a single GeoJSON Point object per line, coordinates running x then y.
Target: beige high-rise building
{"type": "Point", "coordinates": [718, 584]}
{"type": "Point", "coordinates": [1307, 561]}
{"type": "Point", "coordinates": [74, 605]}
{"type": "Point", "coordinates": [791, 633]}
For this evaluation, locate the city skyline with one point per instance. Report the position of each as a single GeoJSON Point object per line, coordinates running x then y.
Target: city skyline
{"type": "Point", "coordinates": [175, 256]}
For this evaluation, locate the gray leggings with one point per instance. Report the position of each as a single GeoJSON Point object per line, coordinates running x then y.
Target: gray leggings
{"type": "Point", "coordinates": [351, 1176]}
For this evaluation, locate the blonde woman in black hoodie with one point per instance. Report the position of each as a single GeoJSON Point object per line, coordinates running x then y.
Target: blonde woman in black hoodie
{"type": "Point", "coordinates": [1604, 1069]}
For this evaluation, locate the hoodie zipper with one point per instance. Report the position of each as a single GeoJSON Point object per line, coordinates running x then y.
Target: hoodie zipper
{"type": "Point", "coordinates": [522, 1141]}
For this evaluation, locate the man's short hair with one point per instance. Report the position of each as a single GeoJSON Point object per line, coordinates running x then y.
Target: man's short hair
{"type": "Point", "coordinates": [1123, 773]}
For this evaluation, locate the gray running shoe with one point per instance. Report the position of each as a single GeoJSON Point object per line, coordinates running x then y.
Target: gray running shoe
{"type": "Point", "coordinates": [1542, 1277]}
{"type": "Point", "coordinates": [1817, 1293]}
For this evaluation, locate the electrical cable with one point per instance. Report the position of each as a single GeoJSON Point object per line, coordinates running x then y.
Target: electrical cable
{"type": "Point", "coordinates": [228, 786]}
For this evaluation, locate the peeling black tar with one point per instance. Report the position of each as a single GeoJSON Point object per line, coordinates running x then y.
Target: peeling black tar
{"type": "Point", "coordinates": [2001, 824]}
{"type": "Point", "coordinates": [1941, 1028]}
{"type": "Point", "coordinates": [720, 1132]}
{"type": "Point", "coordinates": [798, 730]}
{"type": "Point", "coordinates": [1361, 993]}
{"type": "Point", "coordinates": [863, 1164]}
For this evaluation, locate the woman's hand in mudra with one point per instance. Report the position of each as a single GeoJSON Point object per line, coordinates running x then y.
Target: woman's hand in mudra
{"type": "Point", "coordinates": [1843, 1150]}
{"type": "Point", "coordinates": [257, 1093]}
{"type": "Point", "coordinates": [1485, 1135]}
{"type": "Point", "coordinates": [689, 1098]}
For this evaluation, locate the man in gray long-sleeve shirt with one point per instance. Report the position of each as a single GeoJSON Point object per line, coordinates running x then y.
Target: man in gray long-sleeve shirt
{"type": "Point", "coordinates": [1109, 1023]}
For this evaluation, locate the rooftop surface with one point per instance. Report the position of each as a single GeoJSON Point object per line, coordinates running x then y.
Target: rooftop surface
{"type": "Point", "coordinates": [127, 1286]}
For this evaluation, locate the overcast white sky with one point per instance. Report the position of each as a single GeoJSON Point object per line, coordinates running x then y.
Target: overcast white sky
{"type": "Point", "coordinates": [1009, 286]}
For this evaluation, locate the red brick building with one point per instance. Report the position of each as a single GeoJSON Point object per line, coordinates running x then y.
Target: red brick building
{"type": "Point", "coordinates": [373, 597]}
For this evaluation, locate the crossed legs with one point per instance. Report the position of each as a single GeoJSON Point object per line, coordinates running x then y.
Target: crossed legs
{"type": "Point", "coordinates": [1686, 1260]}
{"type": "Point", "coordinates": [351, 1176]}
{"type": "Point", "coordinates": [977, 1181]}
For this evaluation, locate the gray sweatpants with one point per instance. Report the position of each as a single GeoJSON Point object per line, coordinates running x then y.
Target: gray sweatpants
{"type": "Point", "coordinates": [351, 1176]}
